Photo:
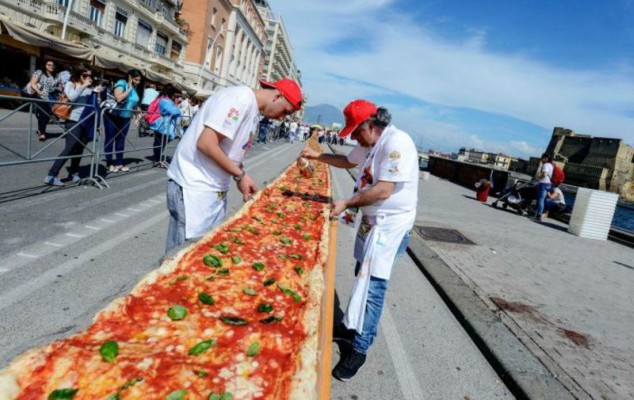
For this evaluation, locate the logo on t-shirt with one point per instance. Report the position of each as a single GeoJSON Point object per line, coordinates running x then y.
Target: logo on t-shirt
{"type": "Point", "coordinates": [366, 178]}
{"type": "Point", "coordinates": [234, 114]}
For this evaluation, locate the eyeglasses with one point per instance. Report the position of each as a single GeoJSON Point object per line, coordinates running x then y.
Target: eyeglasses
{"type": "Point", "coordinates": [50, 65]}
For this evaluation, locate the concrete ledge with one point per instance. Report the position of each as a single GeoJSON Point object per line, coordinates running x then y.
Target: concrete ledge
{"type": "Point", "coordinates": [522, 372]}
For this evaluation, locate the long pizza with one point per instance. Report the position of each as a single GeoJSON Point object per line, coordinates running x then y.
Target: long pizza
{"type": "Point", "coordinates": [234, 316]}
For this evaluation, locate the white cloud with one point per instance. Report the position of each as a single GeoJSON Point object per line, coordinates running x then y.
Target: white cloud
{"type": "Point", "coordinates": [399, 56]}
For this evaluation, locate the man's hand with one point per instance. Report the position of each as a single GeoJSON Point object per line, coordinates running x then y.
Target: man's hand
{"type": "Point", "coordinates": [337, 207]}
{"type": "Point", "coordinates": [247, 187]}
{"type": "Point", "coordinates": [309, 153]}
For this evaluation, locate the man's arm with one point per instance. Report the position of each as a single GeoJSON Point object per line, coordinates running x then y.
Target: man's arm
{"type": "Point", "coordinates": [381, 191]}
{"type": "Point", "coordinates": [336, 160]}
{"type": "Point", "coordinates": [209, 144]}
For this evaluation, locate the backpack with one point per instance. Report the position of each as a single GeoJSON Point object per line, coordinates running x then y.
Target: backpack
{"type": "Point", "coordinates": [153, 112]}
{"type": "Point", "coordinates": [558, 176]}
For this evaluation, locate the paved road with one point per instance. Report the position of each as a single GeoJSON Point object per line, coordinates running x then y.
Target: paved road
{"type": "Point", "coordinates": [67, 253]}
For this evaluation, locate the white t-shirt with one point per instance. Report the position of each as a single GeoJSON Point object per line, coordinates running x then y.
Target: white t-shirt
{"type": "Point", "coordinates": [559, 197]}
{"type": "Point", "coordinates": [548, 169]}
{"type": "Point", "coordinates": [395, 161]}
{"type": "Point", "coordinates": [232, 112]}
{"type": "Point", "coordinates": [293, 127]}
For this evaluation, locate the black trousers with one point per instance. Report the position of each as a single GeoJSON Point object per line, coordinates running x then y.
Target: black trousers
{"type": "Point", "coordinates": [76, 139]}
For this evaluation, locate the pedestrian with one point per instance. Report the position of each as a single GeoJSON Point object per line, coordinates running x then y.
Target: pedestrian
{"type": "Point", "coordinates": [149, 95]}
{"type": "Point", "coordinates": [79, 127]}
{"type": "Point", "coordinates": [127, 94]}
{"type": "Point", "coordinates": [292, 131]}
{"type": "Point", "coordinates": [165, 126]}
{"type": "Point", "coordinates": [386, 191]}
{"type": "Point", "coordinates": [543, 184]}
{"type": "Point", "coordinates": [210, 155]}
{"type": "Point", "coordinates": [555, 201]}
{"type": "Point", "coordinates": [263, 130]}
{"type": "Point", "coordinates": [43, 85]}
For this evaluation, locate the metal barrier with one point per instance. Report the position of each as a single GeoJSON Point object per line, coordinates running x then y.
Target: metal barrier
{"type": "Point", "coordinates": [23, 117]}
{"type": "Point", "coordinates": [42, 108]}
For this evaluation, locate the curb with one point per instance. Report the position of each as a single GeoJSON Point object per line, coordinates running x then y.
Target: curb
{"type": "Point", "coordinates": [520, 370]}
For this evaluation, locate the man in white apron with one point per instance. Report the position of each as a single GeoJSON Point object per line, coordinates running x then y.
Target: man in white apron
{"type": "Point", "coordinates": [386, 192]}
{"type": "Point", "coordinates": [210, 155]}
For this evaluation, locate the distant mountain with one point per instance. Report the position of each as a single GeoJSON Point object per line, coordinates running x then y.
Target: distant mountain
{"type": "Point", "coordinates": [323, 114]}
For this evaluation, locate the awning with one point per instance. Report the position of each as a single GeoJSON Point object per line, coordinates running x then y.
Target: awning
{"type": "Point", "coordinates": [43, 39]}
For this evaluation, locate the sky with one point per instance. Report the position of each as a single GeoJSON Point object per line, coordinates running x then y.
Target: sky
{"type": "Point", "coordinates": [495, 75]}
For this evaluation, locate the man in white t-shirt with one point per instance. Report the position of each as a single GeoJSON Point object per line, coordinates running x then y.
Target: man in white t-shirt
{"type": "Point", "coordinates": [210, 156]}
{"type": "Point", "coordinates": [387, 194]}
{"type": "Point", "coordinates": [543, 184]}
{"type": "Point", "coordinates": [292, 132]}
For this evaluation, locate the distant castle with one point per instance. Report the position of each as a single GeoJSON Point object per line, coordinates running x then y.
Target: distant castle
{"type": "Point", "coordinates": [593, 162]}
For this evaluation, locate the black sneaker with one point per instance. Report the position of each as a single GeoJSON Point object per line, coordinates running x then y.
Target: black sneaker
{"type": "Point", "coordinates": [343, 334]}
{"type": "Point", "coordinates": [349, 366]}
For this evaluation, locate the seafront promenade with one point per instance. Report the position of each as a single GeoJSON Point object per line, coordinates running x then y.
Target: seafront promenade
{"type": "Point", "coordinates": [568, 300]}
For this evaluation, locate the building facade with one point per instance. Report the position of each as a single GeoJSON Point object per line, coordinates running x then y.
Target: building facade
{"type": "Point", "coordinates": [148, 35]}
{"type": "Point", "coordinates": [226, 43]}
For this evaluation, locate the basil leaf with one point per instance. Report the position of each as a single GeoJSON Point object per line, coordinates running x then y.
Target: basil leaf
{"type": "Point", "coordinates": [306, 236]}
{"type": "Point", "coordinates": [235, 230]}
{"type": "Point", "coordinates": [130, 383]}
{"type": "Point", "coordinates": [299, 270]}
{"type": "Point", "coordinates": [114, 396]}
{"type": "Point", "coordinates": [201, 373]}
{"type": "Point", "coordinates": [297, 226]}
{"type": "Point", "coordinates": [297, 298]}
{"type": "Point", "coordinates": [201, 347]}
{"type": "Point", "coordinates": [233, 321]}
{"type": "Point", "coordinates": [222, 247]}
{"type": "Point", "coordinates": [109, 350]}
{"type": "Point", "coordinates": [177, 395]}
{"type": "Point", "coordinates": [258, 266]}
{"type": "Point", "coordinates": [224, 271]}
{"type": "Point", "coordinates": [255, 217]}
{"type": "Point", "coordinates": [237, 240]}
{"type": "Point", "coordinates": [265, 308]}
{"type": "Point", "coordinates": [280, 214]}
{"type": "Point", "coordinates": [285, 240]}
{"type": "Point", "coordinates": [277, 233]}
{"type": "Point", "coordinates": [212, 261]}
{"type": "Point", "coordinates": [270, 319]}
{"type": "Point", "coordinates": [250, 291]}
{"type": "Point", "coordinates": [253, 230]}
{"type": "Point", "coordinates": [296, 256]}
{"type": "Point", "coordinates": [206, 299]}
{"type": "Point", "coordinates": [177, 312]}
{"type": "Point", "coordinates": [62, 394]}
{"type": "Point", "coordinates": [268, 282]}
{"type": "Point", "coordinates": [283, 257]}
{"type": "Point", "coordinates": [253, 349]}
{"type": "Point", "coordinates": [220, 396]}
{"type": "Point", "coordinates": [236, 259]}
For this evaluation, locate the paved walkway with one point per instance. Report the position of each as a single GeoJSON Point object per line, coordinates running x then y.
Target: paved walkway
{"type": "Point", "coordinates": [569, 299]}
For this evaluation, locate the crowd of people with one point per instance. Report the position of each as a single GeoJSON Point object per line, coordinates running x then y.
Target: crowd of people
{"type": "Point", "coordinates": [127, 101]}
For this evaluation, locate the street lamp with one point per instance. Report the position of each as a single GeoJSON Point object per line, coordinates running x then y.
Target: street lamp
{"type": "Point", "coordinates": [66, 15]}
{"type": "Point", "coordinates": [209, 47]}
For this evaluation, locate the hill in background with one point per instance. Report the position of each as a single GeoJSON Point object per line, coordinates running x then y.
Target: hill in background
{"type": "Point", "coordinates": [323, 114]}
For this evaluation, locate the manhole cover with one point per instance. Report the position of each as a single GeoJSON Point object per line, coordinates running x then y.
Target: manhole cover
{"type": "Point", "coordinates": [442, 235]}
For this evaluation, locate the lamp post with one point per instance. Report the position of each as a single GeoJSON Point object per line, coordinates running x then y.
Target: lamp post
{"type": "Point", "coordinates": [209, 47]}
{"type": "Point", "coordinates": [66, 15]}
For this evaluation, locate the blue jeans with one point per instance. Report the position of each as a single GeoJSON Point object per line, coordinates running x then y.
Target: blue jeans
{"type": "Point", "coordinates": [542, 189]}
{"type": "Point", "coordinates": [374, 305]}
{"type": "Point", "coordinates": [116, 128]}
{"type": "Point", "coordinates": [176, 207]}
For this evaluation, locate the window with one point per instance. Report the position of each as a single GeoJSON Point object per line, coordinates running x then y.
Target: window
{"type": "Point", "coordinates": [63, 3]}
{"type": "Point", "coordinates": [144, 33]}
{"type": "Point", "coordinates": [213, 16]}
{"type": "Point", "coordinates": [161, 43]}
{"type": "Point", "coordinates": [218, 60]}
{"type": "Point", "coordinates": [97, 8]}
{"type": "Point", "coordinates": [176, 51]}
{"type": "Point", "coordinates": [120, 20]}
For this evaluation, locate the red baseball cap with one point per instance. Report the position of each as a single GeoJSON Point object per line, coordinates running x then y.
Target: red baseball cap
{"type": "Point", "coordinates": [356, 113]}
{"type": "Point", "coordinates": [289, 89]}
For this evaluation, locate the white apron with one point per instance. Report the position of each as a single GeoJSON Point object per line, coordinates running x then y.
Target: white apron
{"type": "Point", "coordinates": [203, 211]}
{"type": "Point", "coordinates": [375, 247]}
